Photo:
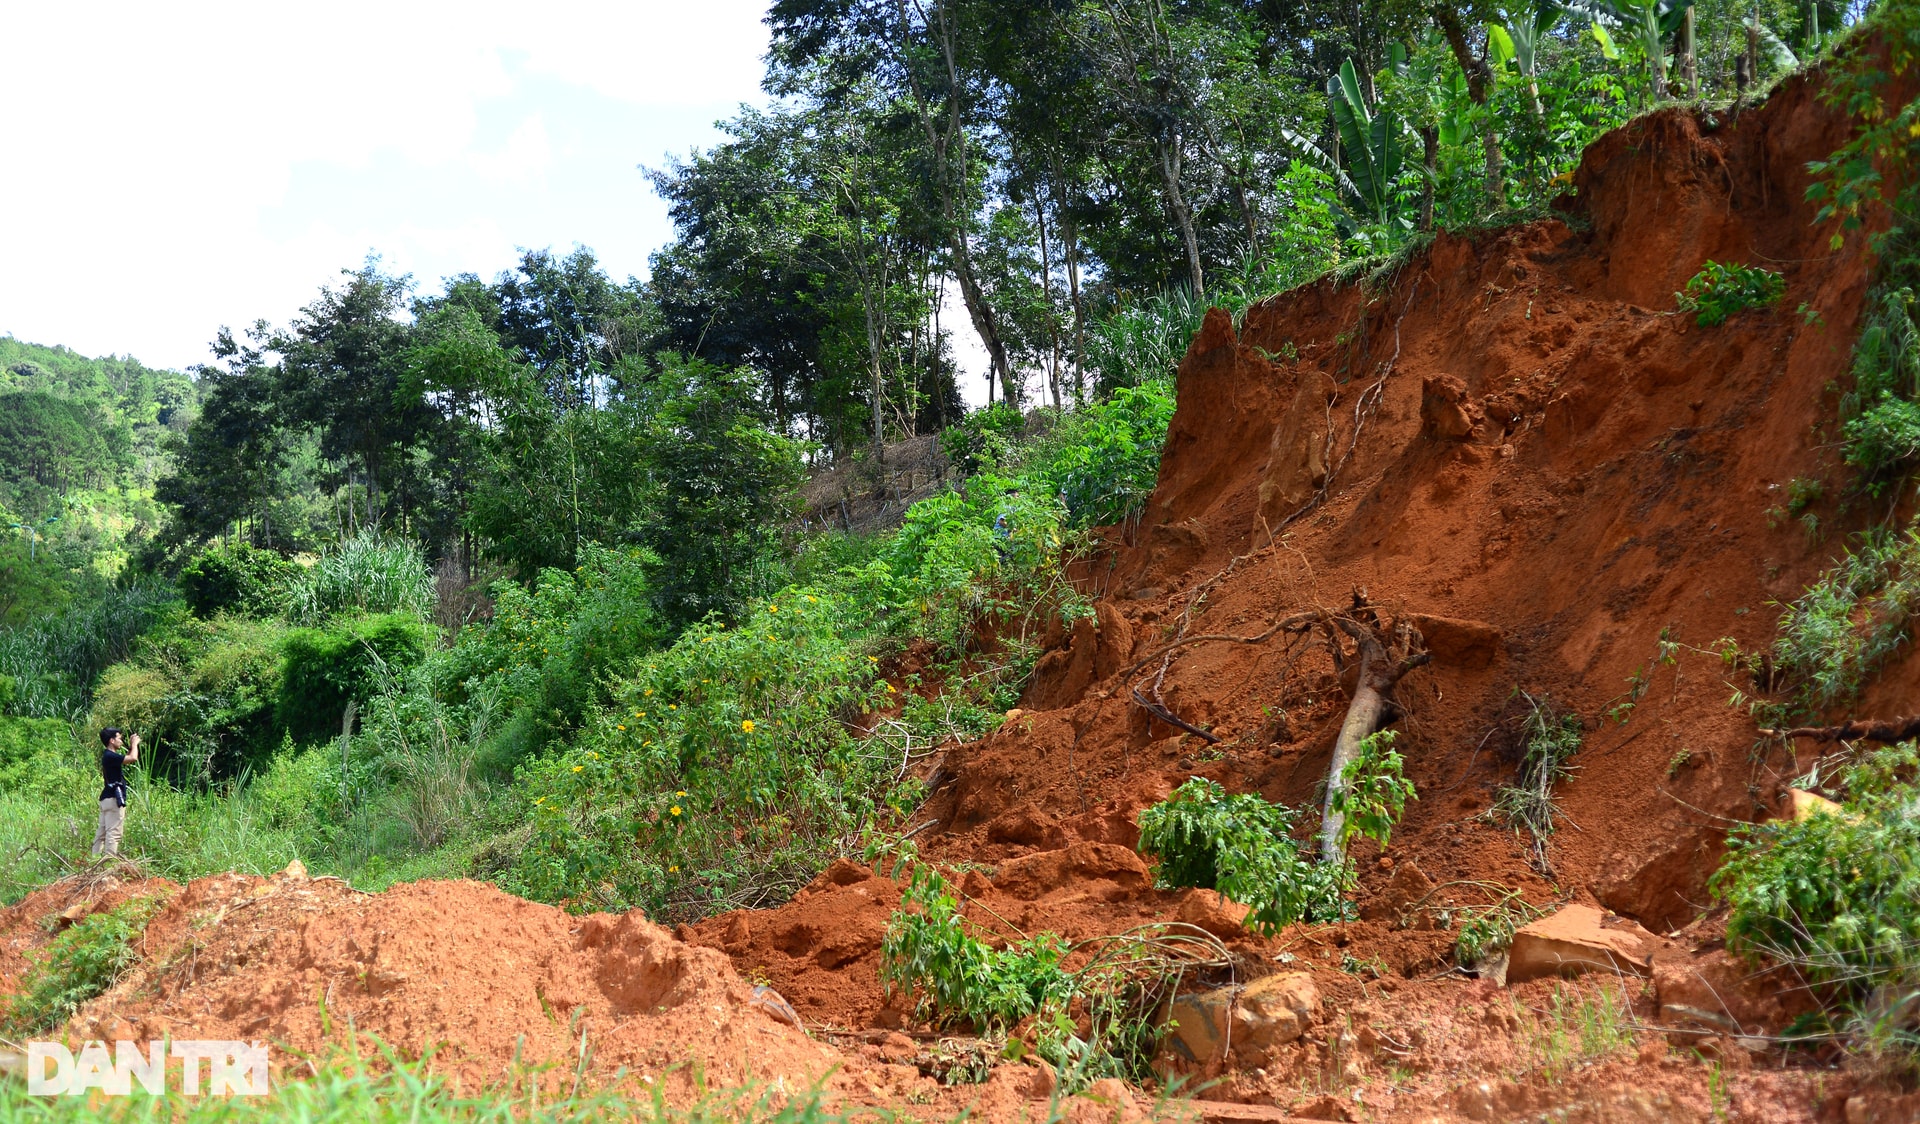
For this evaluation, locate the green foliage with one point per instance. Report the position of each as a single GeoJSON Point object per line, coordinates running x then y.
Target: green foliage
{"type": "Point", "coordinates": [961, 978]}
{"type": "Point", "coordinates": [1718, 291]}
{"type": "Point", "coordinates": [981, 440]}
{"type": "Point", "coordinates": [1833, 638]}
{"type": "Point", "coordinates": [1241, 846]}
{"type": "Point", "coordinates": [50, 446]}
{"type": "Point", "coordinates": [53, 661]}
{"type": "Point", "coordinates": [324, 668]}
{"type": "Point", "coordinates": [367, 573]}
{"type": "Point", "coordinates": [1103, 461]}
{"type": "Point", "coordinates": [238, 578]}
{"type": "Point", "coordinates": [549, 655]}
{"type": "Point", "coordinates": [1835, 895]}
{"type": "Point", "coordinates": [1091, 1021]}
{"type": "Point", "coordinates": [77, 965]}
{"type": "Point", "coordinates": [1375, 793]}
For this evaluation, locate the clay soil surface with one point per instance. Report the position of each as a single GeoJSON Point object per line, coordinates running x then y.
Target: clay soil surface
{"type": "Point", "coordinates": [1510, 441]}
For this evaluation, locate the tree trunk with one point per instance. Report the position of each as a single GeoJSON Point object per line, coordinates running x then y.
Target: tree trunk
{"type": "Point", "coordinates": [1382, 663]}
{"type": "Point", "coordinates": [1168, 158]}
{"type": "Point", "coordinates": [1480, 90]}
{"type": "Point", "coordinates": [1689, 64]}
{"type": "Point", "coordinates": [1430, 160]}
{"type": "Point", "coordinates": [1046, 293]}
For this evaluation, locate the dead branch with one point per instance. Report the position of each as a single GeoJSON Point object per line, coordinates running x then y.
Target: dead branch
{"type": "Point", "coordinates": [1160, 711]}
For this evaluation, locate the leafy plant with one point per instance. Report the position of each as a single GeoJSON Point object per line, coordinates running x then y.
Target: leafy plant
{"type": "Point", "coordinates": [1549, 741]}
{"type": "Point", "coordinates": [1718, 291]}
{"type": "Point", "coordinates": [1836, 896]}
{"type": "Point", "coordinates": [1241, 846]}
{"type": "Point", "coordinates": [1850, 620]}
{"type": "Point", "coordinates": [79, 964]}
{"type": "Point", "coordinates": [1376, 791]}
{"type": "Point", "coordinates": [1091, 1021]}
{"type": "Point", "coordinates": [368, 573]}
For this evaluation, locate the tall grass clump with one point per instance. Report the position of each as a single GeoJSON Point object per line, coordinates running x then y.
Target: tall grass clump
{"type": "Point", "coordinates": [368, 573]}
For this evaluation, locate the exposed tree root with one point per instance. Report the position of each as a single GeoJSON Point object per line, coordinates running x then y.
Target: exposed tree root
{"type": "Point", "coordinates": [1860, 730]}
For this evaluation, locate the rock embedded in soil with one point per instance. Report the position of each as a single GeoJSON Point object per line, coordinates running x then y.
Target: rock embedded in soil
{"type": "Point", "coordinates": [1578, 939]}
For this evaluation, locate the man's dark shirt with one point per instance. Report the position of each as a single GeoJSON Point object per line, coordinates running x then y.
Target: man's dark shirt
{"type": "Point", "coordinates": [110, 768]}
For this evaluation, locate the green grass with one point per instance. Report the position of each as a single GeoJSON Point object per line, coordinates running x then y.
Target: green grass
{"type": "Point", "coordinates": [344, 1092]}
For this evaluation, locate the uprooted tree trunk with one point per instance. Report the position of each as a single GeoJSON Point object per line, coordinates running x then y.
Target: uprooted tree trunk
{"type": "Point", "coordinates": [1384, 656]}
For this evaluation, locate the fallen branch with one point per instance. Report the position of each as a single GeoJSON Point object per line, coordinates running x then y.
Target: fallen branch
{"type": "Point", "coordinates": [1169, 717]}
{"type": "Point", "coordinates": [1859, 730]}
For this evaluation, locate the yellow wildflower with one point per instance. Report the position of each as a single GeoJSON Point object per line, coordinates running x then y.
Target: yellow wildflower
{"type": "Point", "coordinates": [682, 792]}
{"type": "Point", "coordinates": [675, 810]}
{"type": "Point", "coordinates": [747, 726]}
{"type": "Point", "coordinates": [773, 608]}
{"type": "Point", "coordinates": [810, 599]}
{"type": "Point", "coordinates": [577, 768]}
{"type": "Point", "coordinates": [619, 726]}
{"type": "Point", "coordinates": [890, 690]}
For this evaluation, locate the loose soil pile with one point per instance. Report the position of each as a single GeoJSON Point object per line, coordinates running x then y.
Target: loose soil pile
{"type": "Point", "coordinates": [1509, 440]}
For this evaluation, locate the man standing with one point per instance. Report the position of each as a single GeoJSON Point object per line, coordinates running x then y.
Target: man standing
{"type": "Point", "coordinates": [113, 798]}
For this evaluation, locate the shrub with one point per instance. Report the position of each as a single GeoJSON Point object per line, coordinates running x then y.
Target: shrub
{"type": "Point", "coordinates": [238, 579]}
{"type": "Point", "coordinates": [1104, 461]}
{"type": "Point", "coordinates": [1849, 621]}
{"type": "Point", "coordinates": [79, 964]}
{"type": "Point", "coordinates": [1836, 896]}
{"type": "Point", "coordinates": [54, 661]}
{"type": "Point", "coordinates": [324, 668]}
{"type": "Point", "coordinates": [1550, 738]}
{"type": "Point", "coordinates": [1718, 291]}
{"type": "Point", "coordinates": [1091, 1021]}
{"type": "Point", "coordinates": [1241, 846]}
{"type": "Point", "coordinates": [927, 948]}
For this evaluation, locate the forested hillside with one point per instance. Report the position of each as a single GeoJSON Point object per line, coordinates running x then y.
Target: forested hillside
{"type": "Point", "coordinates": [1359, 379]}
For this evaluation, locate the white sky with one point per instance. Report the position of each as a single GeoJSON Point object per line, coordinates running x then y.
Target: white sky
{"type": "Point", "coordinates": [179, 167]}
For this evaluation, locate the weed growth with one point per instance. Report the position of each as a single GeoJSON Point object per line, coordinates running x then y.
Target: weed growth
{"type": "Point", "coordinates": [1376, 792]}
{"type": "Point", "coordinates": [79, 964]}
{"type": "Point", "coordinates": [1550, 740]}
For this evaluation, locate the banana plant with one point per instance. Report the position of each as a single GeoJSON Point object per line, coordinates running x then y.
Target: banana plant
{"type": "Point", "coordinates": [1517, 40]}
{"type": "Point", "coordinates": [1645, 24]}
{"type": "Point", "coordinates": [1371, 142]}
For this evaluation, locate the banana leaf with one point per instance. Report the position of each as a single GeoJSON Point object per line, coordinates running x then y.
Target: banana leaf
{"type": "Point", "coordinates": [1371, 142]}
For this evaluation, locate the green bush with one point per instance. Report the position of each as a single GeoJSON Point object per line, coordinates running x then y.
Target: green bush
{"type": "Point", "coordinates": [1880, 418]}
{"type": "Point", "coordinates": [1718, 291]}
{"type": "Point", "coordinates": [1836, 896]}
{"type": "Point", "coordinates": [325, 667]}
{"type": "Point", "coordinates": [238, 579]}
{"type": "Point", "coordinates": [1103, 461]}
{"type": "Point", "coordinates": [962, 978]}
{"type": "Point", "coordinates": [1241, 846]}
{"type": "Point", "coordinates": [79, 964]}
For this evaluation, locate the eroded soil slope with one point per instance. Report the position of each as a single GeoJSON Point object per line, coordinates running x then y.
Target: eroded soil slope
{"type": "Point", "coordinates": [1509, 440]}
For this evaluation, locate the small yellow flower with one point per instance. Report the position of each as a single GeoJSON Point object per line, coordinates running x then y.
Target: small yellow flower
{"type": "Point", "coordinates": [673, 870]}
{"type": "Point", "coordinates": [649, 692]}
{"type": "Point", "coordinates": [810, 599]}
{"type": "Point", "coordinates": [747, 726]}
{"type": "Point", "coordinates": [675, 810]}
{"type": "Point", "coordinates": [873, 659]}
{"type": "Point", "coordinates": [577, 768]}
{"type": "Point", "coordinates": [620, 726]}
{"type": "Point", "coordinates": [639, 714]}
{"type": "Point", "coordinates": [673, 706]}
{"type": "Point", "coordinates": [682, 792]}
{"type": "Point", "coordinates": [890, 690]}
{"type": "Point", "coordinates": [773, 608]}
{"type": "Point", "coordinates": [769, 636]}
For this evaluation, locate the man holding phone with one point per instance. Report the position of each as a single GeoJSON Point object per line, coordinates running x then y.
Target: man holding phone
{"type": "Point", "coordinates": [113, 797]}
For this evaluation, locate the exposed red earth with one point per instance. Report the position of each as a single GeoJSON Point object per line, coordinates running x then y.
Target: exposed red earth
{"type": "Point", "coordinates": [1511, 441]}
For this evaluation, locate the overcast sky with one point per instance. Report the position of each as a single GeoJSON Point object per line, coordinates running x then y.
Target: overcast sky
{"type": "Point", "coordinates": [173, 168]}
